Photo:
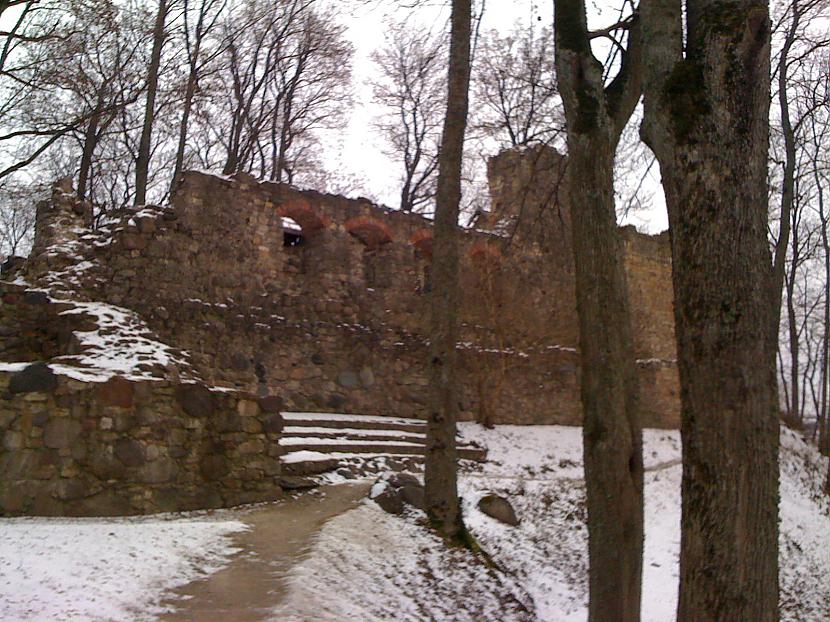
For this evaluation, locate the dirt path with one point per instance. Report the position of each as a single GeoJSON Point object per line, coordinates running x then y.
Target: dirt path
{"type": "Point", "coordinates": [255, 581]}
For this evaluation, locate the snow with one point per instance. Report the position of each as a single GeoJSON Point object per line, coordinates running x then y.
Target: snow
{"type": "Point", "coordinates": [367, 565]}
{"type": "Point", "coordinates": [316, 440]}
{"type": "Point", "coordinates": [120, 343]}
{"type": "Point", "coordinates": [372, 566]}
{"type": "Point", "coordinates": [298, 416]}
{"type": "Point", "coordinates": [105, 569]}
{"type": "Point", "coordinates": [398, 434]}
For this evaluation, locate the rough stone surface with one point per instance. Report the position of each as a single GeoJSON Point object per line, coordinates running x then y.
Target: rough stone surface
{"type": "Point", "coordinates": [499, 508]}
{"type": "Point", "coordinates": [96, 455]}
{"type": "Point", "coordinates": [37, 377]}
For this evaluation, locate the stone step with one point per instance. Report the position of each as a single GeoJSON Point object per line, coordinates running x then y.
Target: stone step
{"type": "Point", "coordinates": [359, 448]}
{"type": "Point", "coordinates": [363, 422]}
{"type": "Point", "coordinates": [353, 434]}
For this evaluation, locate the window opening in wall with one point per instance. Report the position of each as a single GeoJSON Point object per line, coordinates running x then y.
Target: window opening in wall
{"type": "Point", "coordinates": [292, 233]}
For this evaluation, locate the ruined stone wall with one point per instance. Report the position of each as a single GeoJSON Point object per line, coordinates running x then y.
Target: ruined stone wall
{"type": "Point", "coordinates": [73, 448]}
{"type": "Point", "coordinates": [338, 322]}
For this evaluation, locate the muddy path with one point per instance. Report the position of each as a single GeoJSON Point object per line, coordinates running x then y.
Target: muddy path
{"type": "Point", "coordinates": [249, 588]}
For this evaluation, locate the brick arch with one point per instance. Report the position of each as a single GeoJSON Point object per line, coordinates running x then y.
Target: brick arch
{"type": "Point", "coordinates": [372, 232]}
{"type": "Point", "coordinates": [422, 241]}
{"type": "Point", "coordinates": [301, 212]}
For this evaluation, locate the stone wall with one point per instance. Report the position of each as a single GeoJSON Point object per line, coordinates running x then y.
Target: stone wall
{"type": "Point", "coordinates": [338, 321]}
{"type": "Point", "coordinates": [73, 448]}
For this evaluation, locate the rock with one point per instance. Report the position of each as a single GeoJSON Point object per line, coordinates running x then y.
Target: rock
{"type": "Point", "coordinates": [270, 403]}
{"type": "Point", "coordinates": [345, 473]}
{"type": "Point", "coordinates": [273, 424]}
{"type": "Point", "coordinates": [116, 391]}
{"type": "Point", "coordinates": [196, 400]}
{"type": "Point", "coordinates": [247, 408]}
{"type": "Point", "coordinates": [129, 452]}
{"type": "Point", "coordinates": [133, 241]}
{"type": "Point", "coordinates": [367, 377]}
{"type": "Point", "coordinates": [400, 480]}
{"type": "Point", "coordinates": [35, 298]}
{"type": "Point", "coordinates": [413, 495]}
{"type": "Point", "coordinates": [11, 265]}
{"type": "Point", "coordinates": [296, 482]}
{"type": "Point", "coordinates": [336, 401]}
{"type": "Point", "coordinates": [158, 471]}
{"type": "Point", "coordinates": [499, 508]}
{"type": "Point", "coordinates": [213, 467]}
{"type": "Point", "coordinates": [348, 379]}
{"type": "Point", "coordinates": [392, 490]}
{"type": "Point", "coordinates": [36, 377]}
{"type": "Point", "coordinates": [61, 432]}
{"type": "Point", "coordinates": [13, 441]}
{"type": "Point", "coordinates": [387, 498]}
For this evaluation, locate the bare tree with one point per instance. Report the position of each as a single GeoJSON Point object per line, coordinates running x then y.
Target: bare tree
{"type": "Point", "coordinates": [198, 58]}
{"type": "Point", "coordinates": [707, 95]}
{"type": "Point", "coordinates": [440, 478]}
{"type": "Point", "coordinates": [17, 219]}
{"type": "Point", "coordinates": [596, 114]}
{"type": "Point", "coordinates": [411, 86]}
{"type": "Point", "coordinates": [142, 163]}
{"type": "Point", "coordinates": [514, 86]}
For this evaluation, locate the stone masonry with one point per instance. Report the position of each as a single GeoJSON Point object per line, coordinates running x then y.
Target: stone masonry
{"type": "Point", "coordinates": [313, 302]}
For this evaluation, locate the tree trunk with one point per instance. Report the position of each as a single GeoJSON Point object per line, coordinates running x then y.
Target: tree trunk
{"type": "Point", "coordinates": [88, 151]}
{"type": "Point", "coordinates": [706, 119]}
{"type": "Point", "coordinates": [441, 490]}
{"type": "Point", "coordinates": [788, 183]}
{"type": "Point", "coordinates": [142, 164]}
{"type": "Point", "coordinates": [612, 438]}
{"type": "Point", "coordinates": [190, 92]}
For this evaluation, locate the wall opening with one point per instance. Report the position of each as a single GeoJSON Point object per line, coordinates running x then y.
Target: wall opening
{"type": "Point", "coordinates": [292, 233]}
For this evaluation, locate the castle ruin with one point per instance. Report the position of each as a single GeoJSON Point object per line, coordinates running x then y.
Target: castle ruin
{"type": "Point", "coordinates": [242, 299]}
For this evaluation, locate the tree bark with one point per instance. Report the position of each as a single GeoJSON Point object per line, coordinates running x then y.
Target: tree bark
{"type": "Point", "coordinates": [612, 438]}
{"type": "Point", "coordinates": [142, 164]}
{"type": "Point", "coordinates": [441, 490]}
{"type": "Point", "coordinates": [706, 119]}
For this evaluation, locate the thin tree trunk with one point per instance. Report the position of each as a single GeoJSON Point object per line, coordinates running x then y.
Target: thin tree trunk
{"type": "Point", "coordinates": [612, 438]}
{"type": "Point", "coordinates": [788, 183]}
{"type": "Point", "coordinates": [142, 164]}
{"type": "Point", "coordinates": [441, 488]}
{"type": "Point", "coordinates": [707, 121]}
{"type": "Point", "coordinates": [792, 332]}
{"type": "Point", "coordinates": [187, 106]}
{"type": "Point", "coordinates": [88, 151]}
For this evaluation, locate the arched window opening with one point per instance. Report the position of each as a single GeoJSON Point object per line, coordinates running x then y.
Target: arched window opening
{"type": "Point", "coordinates": [373, 233]}
{"type": "Point", "coordinates": [292, 233]}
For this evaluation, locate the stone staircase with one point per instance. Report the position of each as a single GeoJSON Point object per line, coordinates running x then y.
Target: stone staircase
{"type": "Point", "coordinates": [315, 443]}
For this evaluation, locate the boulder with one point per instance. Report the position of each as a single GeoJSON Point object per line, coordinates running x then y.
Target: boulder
{"type": "Point", "coordinates": [388, 498]}
{"type": "Point", "coordinates": [392, 490]}
{"type": "Point", "coordinates": [496, 506]}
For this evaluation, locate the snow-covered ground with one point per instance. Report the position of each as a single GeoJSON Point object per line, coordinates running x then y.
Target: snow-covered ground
{"type": "Point", "coordinates": [104, 569]}
{"type": "Point", "coordinates": [368, 565]}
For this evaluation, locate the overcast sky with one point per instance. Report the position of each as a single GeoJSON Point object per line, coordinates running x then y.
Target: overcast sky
{"type": "Point", "coordinates": [358, 151]}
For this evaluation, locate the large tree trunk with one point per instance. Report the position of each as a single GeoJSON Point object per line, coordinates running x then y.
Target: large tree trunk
{"type": "Point", "coordinates": [142, 164]}
{"type": "Point", "coordinates": [612, 438]}
{"type": "Point", "coordinates": [441, 490]}
{"type": "Point", "coordinates": [706, 119]}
